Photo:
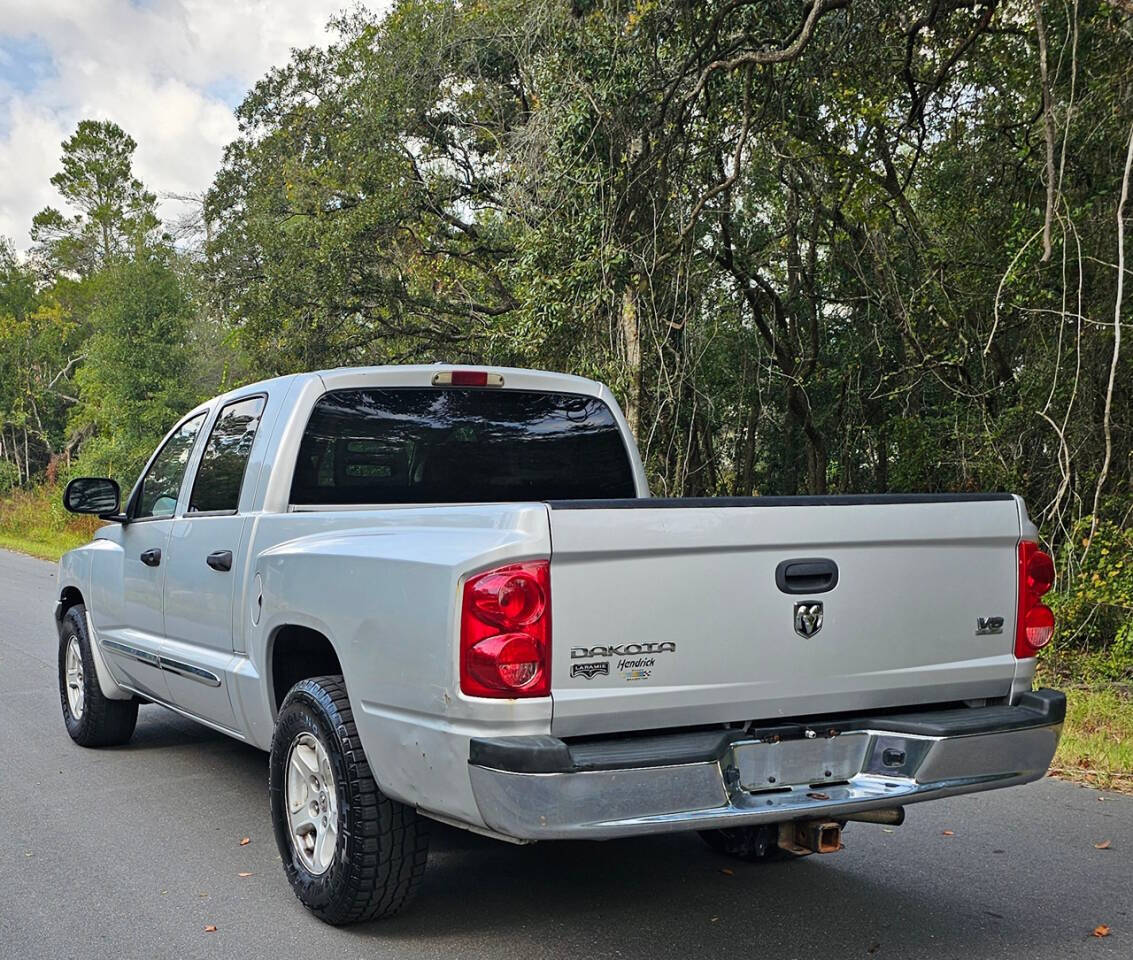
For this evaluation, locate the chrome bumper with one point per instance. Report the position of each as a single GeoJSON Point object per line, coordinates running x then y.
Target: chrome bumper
{"type": "Point", "coordinates": [824, 772]}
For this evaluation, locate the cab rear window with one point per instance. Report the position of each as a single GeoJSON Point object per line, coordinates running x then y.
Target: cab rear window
{"type": "Point", "coordinates": [459, 445]}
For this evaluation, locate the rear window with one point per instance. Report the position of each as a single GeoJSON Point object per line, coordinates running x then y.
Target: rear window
{"type": "Point", "coordinates": [455, 445]}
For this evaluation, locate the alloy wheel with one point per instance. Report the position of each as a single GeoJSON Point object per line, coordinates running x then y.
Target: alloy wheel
{"type": "Point", "coordinates": [312, 803]}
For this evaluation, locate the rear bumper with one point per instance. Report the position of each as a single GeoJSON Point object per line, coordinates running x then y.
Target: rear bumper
{"type": "Point", "coordinates": [543, 788]}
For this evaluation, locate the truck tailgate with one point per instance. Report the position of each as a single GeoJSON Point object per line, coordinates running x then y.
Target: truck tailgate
{"type": "Point", "coordinates": [668, 613]}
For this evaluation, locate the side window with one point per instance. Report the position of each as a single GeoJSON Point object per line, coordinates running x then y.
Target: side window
{"type": "Point", "coordinates": [157, 496]}
{"type": "Point", "coordinates": [221, 473]}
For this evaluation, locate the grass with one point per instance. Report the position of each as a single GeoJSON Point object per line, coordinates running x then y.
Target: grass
{"type": "Point", "coordinates": [33, 521]}
{"type": "Point", "coordinates": [1097, 739]}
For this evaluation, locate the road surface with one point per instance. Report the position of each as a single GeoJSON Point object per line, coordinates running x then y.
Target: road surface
{"type": "Point", "coordinates": [132, 852]}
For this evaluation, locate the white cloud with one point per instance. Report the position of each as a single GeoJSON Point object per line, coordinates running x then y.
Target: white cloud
{"type": "Point", "coordinates": [168, 72]}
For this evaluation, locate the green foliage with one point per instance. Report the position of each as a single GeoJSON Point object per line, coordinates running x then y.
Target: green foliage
{"type": "Point", "coordinates": [9, 477]}
{"type": "Point", "coordinates": [134, 382]}
{"type": "Point", "coordinates": [113, 339]}
{"type": "Point", "coordinates": [114, 213]}
{"type": "Point", "coordinates": [33, 521]}
{"type": "Point", "coordinates": [37, 339]}
{"type": "Point", "coordinates": [825, 273]}
{"type": "Point", "coordinates": [1097, 738]}
{"type": "Point", "coordinates": [1093, 602]}
{"type": "Point", "coordinates": [348, 226]}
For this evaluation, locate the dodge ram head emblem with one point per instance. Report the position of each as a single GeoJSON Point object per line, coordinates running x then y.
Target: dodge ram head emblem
{"type": "Point", "coordinates": [808, 618]}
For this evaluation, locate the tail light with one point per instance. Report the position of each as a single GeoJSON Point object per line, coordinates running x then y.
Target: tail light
{"type": "Point", "coordinates": [505, 632]}
{"type": "Point", "coordinates": [1035, 624]}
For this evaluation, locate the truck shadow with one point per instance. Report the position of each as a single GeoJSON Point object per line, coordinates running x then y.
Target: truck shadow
{"type": "Point", "coordinates": [669, 896]}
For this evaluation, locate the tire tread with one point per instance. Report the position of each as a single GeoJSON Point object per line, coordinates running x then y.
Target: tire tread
{"type": "Point", "coordinates": [105, 722]}
{"type": "Point", "coordinates": [390, 847]}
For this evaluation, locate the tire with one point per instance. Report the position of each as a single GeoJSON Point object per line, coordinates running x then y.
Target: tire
{"type": "Point", "coordinates": [372, 863]}
{"type": "Point", "coordinates": [91, 719]}
{"type": "Point", "coordinates": [752, 844]}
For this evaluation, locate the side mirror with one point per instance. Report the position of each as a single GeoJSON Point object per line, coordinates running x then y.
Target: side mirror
{"type": "Point", "coordinates": [97, 495]}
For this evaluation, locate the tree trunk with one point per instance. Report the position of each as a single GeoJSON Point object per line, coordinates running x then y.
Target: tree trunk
{"type": "Point", "coordinates": [631, 346]}
{"type": "Point", "coordinates": [748, 468]}
{"type": "Point", "coordinates": [816, 452]}
{"type": "Point", "coordinates": [882, 480]}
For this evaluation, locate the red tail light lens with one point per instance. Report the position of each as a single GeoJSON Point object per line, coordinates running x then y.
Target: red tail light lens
{"type": "Point", "coordinates": [505, 632]}
{"type": "Point", "coordinates": [511, 596]}
{"type": "Point", "coordinates": [1035, 624]}
{"type": "Point", "coordinates": [469, 378]}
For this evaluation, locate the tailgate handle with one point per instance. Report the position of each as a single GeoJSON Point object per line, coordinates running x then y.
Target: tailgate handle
{"type": "Point", "coordinates": [806, 575]}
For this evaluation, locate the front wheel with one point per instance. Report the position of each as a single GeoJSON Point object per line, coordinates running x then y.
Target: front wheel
{"type": "Point", "coordinates": [92, 720]}
{"type": "Point", "coordinates": [350, 852]}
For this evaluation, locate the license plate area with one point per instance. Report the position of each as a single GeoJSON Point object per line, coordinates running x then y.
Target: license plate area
{"type": "Point", "coordinates": [795, 763]}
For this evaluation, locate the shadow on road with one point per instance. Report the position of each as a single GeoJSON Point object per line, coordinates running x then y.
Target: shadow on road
{"type": "Point", "coordinates": [904, 894]}
{"type": "Point", "coordinates": [647, 897]}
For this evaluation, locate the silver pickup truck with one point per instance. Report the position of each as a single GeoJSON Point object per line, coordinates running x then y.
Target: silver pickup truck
{"type": "Point", "coordinates": [439, 593]}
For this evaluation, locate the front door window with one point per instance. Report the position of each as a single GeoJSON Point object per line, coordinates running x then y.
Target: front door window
{"type": "Point", "coordinates": [158, 491]}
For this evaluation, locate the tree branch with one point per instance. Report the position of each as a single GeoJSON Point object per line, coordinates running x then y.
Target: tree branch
{"type": "Point", "coordinates": [766, 56]}
{"type": "Point", "coordinates": [1107, 417]}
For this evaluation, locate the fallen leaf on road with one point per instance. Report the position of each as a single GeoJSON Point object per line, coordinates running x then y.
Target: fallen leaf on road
{"type": "Point", "coordinates": [243, 874]}
{"type": "Point", "coordinates": [947, 833]}
{"type": "Point", "coordinates": [211, 928]}
{"type": "Point", "coordinates": [1101, 930]}
{"type": "Point", "coordinates": [873, 947]}
{"type": "Point", "coordinates": [245, 841]}
{"type": "Point", "coordinates": [727, 871]}
{"type": "Point", "coordinates": [1104, 845]}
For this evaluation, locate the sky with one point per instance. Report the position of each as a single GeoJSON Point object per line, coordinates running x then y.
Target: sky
{"type": "Point", "coordinates": [169, 72]}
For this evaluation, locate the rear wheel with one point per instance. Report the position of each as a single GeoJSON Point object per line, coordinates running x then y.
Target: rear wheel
{"type": "Point", "coordinates": [92, 720]}
{"type": "Point", "coordinates": [350, 852]}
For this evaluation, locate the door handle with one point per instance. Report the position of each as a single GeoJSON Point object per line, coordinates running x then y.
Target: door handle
{"type": "Point", "coordinates": [151, 557]}
{"type": "Point", "coordinates": [220, 560]}
{"type": "Point", "coordinates": [806, 575]}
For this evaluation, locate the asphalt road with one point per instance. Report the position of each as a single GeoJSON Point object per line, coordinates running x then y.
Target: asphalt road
{"type": "Point", "coordinates": [131, 852]}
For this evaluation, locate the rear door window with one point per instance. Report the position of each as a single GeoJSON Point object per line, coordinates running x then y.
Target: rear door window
{"type": "Point", "coordinates": [220, 476]}
{"type": "Point", "coordinates": [459, 445]}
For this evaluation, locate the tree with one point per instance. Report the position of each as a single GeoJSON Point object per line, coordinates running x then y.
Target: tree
{"type": "Point", "coordinates": [114, 213]}
{"type": "Point", "coordinates": [136, 380]}
{"type": "Point", "coordinates": [39, 345]}
{"type": "Point", "coordinates": [356, 218]}
{"type": "Point", "coordinates": [754, 219]}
